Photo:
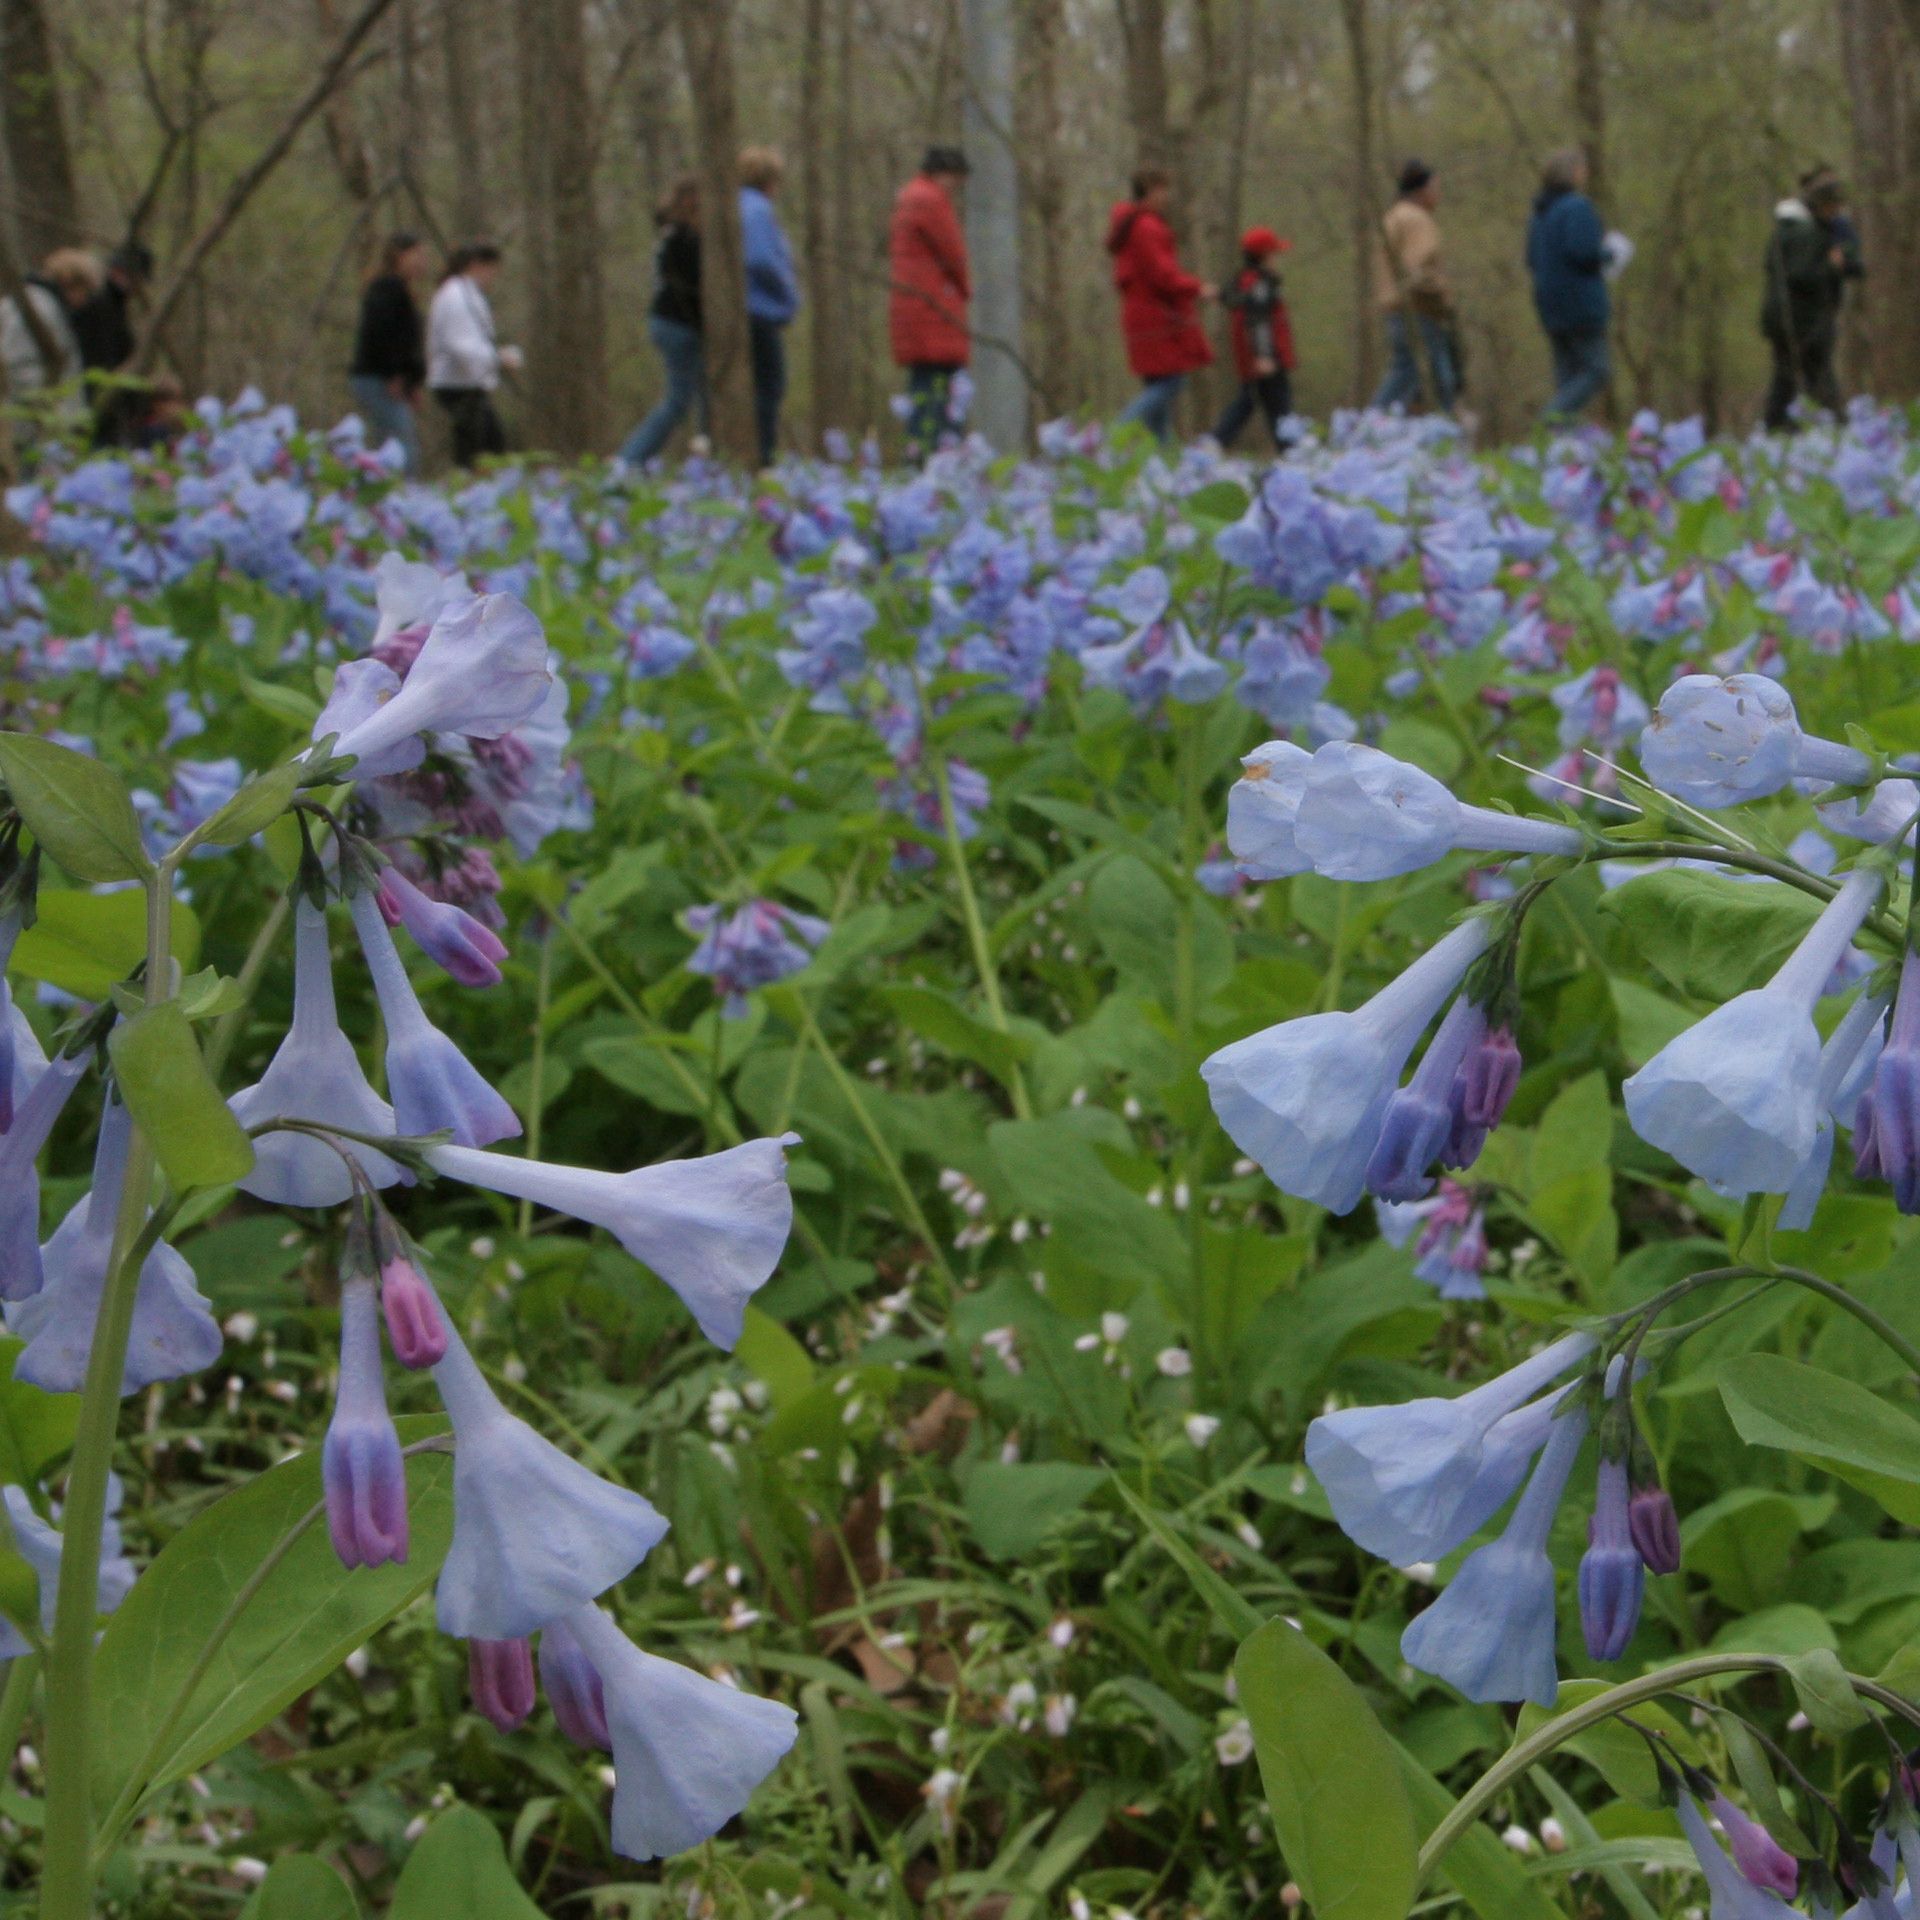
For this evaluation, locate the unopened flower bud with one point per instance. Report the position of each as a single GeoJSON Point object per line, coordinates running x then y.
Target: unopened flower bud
{"type": "Point", "coordinates": [1655, 1529]}
{"type": "Point", "coordinates": [500, 1678]}
{"type": "Point", "coordinates": [415, 1328]}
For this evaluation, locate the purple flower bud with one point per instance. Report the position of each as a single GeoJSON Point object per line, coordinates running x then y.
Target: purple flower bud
{"type": "Point", "coordinates": [1488, 1076]}
{"type": "Point", "coordinates": [1612, 1576]}
{"type": "Point", "coordinates": [1655, 1529]}
{"type": "Point", "coordinates": [1894, 1125]}
{"type": "Point", "coordinates": [361, 1465]}
{"type": "Point", "coordinates": [1418, 1122]}
{"type": "Point", "coordinates": [573, 1685]}
{"type": "Point", "coordinates": [415, 1329]}
{"type": "Point", "coordinates": [500, 1678]}
{"type": "Point", "coordinates": [452, 938]}
{"type": "Point", "coordinates": [760, 943]}
{"type": "Point", "coordinates": [1762, 1860]}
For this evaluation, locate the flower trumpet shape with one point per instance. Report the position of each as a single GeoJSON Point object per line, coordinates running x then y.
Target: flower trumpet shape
{"type": "Point", "coordinates": [1263, 809]}
{"type": "Point", "coordinates": [435, 1087]}
{"type": "Point", "coordinates": [481, 671]}
{"type": "Point", "coordinates": [1491, 1633]}
{"type": "Point", "coordinates": [1411, 1482]}
{"type": "Point", "coordinates": [362, 1469]}
{"type": "Point", "coordinates": [687, 1751]}
{"type": "Point", "coordinates": [1420, 1121]}
{"type": "Point", "coordinates": [573, 1687]}
{"type": "Point", "coordinates": [1849, 1055]}
{"type": "Point", "coordinates": [174, 1333]}
{"type": "Point", "coordinates": [712, 1229]}
{"type": "Point", "coordinates": [1364, 815]}
{"type": "Point", "coordinates": [315, 1076]}
{"type": "Point", "coordinates": [33, 1122]}
{"type": "Point", "coordinates": [535, 1534]}
{"type": "Point", "coordinates": [1720, 743]}
{"type": "Point", "coordinates": [1734, 1896]}
{"type": "Point", "coordinates": [1735, 1098]}
{"type": "Point", "coordinates": [1613, 1574]}
{"type": "Point", "coordinates": [1307, 1098]}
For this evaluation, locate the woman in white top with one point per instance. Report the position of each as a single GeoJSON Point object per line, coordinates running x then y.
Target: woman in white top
{"type": "Point", "coordinates": [40, 350]}
{"type": "Point", "coordinates": [464, 362]}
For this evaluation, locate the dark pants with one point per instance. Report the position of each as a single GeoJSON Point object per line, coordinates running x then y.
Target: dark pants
{"type": "Point", "coordinates": [1802, 363]}
{"type": "Point", "coordinates": [1581, 369]}
{"type": "Point", "coordinates": [476, 427]}
{"type": "Point", "coordinates": [1272, 393]}
{"type": "Point", "coordinates": [768, 344]}
{"type": "Point", "coordinates": [929, 385]}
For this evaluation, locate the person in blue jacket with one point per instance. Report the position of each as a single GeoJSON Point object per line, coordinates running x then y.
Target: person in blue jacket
{"type": "Point", "coordinates": [1567, 256]}
{"type": "Point", "coordinates": [773, 290]}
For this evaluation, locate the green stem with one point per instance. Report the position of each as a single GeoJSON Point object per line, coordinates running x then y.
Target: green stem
{"type": "Point", "coordinates": [66, 1882]}
{"type": "Point", "coordinates": [977, 933]}
{"type": "Point", "coordinates": [1831, 1290]}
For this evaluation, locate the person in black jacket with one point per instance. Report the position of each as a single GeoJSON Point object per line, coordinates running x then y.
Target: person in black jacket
{"type": "Point", "coordinates": [104, 326]}
{"type": "Point", "coordinates": [390, 348]}
{"type": "Point", "coordinates": [1813, 251]}
{"type": "Point", "coordinates": [674, 322]}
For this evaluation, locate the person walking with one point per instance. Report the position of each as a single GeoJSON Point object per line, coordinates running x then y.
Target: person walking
{"type": "Point", "coordinates": [389, 365]}
{"type": "Point", "coordinates": [1262, 334]}
{"type": "Point", "coordinates": [1158, 302]}
{"type": "Point", "coordinates": [673, 322]}
{"type": "Point", "coordinates": [1567, 254]}
{"type": "Point", "coordinates": [929, 291]}
{"type": "Point", "coordinates": [1410, 287]}
{"type": "Point", "coordinates": [104, 326]}
{"type": "Point", "coordinates": [38, 345]}
{"type": "Point", "coordinates": [773, 290]}
{"type": "Point", "coordinates": [464, 360]}
{"type": "Point", "coordinates": [1812, 252]}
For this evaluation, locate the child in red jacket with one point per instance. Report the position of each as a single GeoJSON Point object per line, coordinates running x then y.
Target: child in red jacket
{"type": "Point", "coordinates": [1262, 340]}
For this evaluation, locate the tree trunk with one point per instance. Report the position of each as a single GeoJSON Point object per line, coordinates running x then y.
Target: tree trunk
{"type": "Point", "coordinates": [1046, 33]}
{"type": "Point", "coordinates": [1364, 219]}
{"type": "Point", "coordinates": [469, 150]}
{"type": "Point", "coordinates": [993, 227]}
{"type": "Point", "coordinates": [47, 209]}
{"type": "Point", "coordinates": [1589, 89]}
{"type": "Point", "coordinates": [1143, 28]}
{"type": "Point", "coordinates": [567, 331]}
{"type": "Point", "coordinates": [1883, 86]}
{"type": "Point", "coordinates": [345, 142]}
{"type": "Point", "coordinates": [828, 343]}
{"type": "Point", "coordinates": [706, 41]}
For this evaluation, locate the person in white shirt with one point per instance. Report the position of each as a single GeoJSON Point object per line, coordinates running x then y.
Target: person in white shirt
{"type": "Point", "coordinates": [41, 352]}
{"type": "Point", "coordinates": [464, 361]}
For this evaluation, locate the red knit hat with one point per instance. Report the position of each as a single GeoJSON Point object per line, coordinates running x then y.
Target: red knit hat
{"type": "Point", "coordinates": [1257, 242]}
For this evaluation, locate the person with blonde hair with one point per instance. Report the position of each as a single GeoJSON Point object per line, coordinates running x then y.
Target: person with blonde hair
{"type": "Point", "coordinates": [773, 290]}
{"type": "Point", "coordinates": [38, 345]}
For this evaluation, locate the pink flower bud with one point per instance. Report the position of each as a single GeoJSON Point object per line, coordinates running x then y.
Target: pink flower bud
{"type": "Point", "coordinates": [1655, 1529]}
{"type": "Point", "coordinates": [500, 1678]}
{"type": "Point", "coordinates": [415, 1329]}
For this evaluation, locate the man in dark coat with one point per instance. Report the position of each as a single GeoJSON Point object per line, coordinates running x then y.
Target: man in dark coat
{"type": "Point", "coordinates": [1813, 251]}
{"type": "Point", "coordinates": [1567, 256]}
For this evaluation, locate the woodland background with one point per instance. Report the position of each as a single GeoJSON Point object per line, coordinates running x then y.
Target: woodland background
{"type": "Point", "coordinates": [552, 125]}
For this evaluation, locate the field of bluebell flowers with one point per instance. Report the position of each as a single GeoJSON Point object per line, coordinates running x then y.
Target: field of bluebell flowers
{"type": "Point", "coordinates": [1115, 1187]}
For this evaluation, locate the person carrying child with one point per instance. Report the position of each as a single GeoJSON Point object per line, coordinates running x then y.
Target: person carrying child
{"type": "Point", "coordinates": [1262, 334]}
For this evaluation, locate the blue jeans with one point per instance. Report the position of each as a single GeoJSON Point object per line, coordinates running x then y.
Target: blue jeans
{"type": "Point", "coordinates": [1152, 407]}
{"type": "Point", "coordinates": [768, 344]}
{"type": "Point", "coordinates": [685, 362]}
{"type": "Point", "coordinates": [1408, 370]}
{"type": "Point", "coordinates": [386, 418]}
{"type": "Point", "coordinates": [1580, 370]}
{"type": "Point", "coordinates": [929, 387]}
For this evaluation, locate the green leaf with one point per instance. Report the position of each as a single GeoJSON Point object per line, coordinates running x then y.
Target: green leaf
{"type": "Point", "coordinates": [253, 809]}
{"type": "Point", "coordinates": [459, 1867]}
{"type": "Point", "coordinates": [953, 1030]}
{"type": "Point", "coordinates": [78, 809]}
{"type": "Point", "coordinates": [1332, 1778]}
{"type": "Point", "coordinates": [1755, 1771]}
{"type": "Point", "coordinates": [1843, 1428]}
{"type": "Point", "coordinates": [1477, 1866]}
{"type": "Point", "coordinates": [1614, 1751]}
{"type": "Point", "coordinates": [19, 1591]}
{"type": "Point", "coordinates": [1825, 1694]}
{"type": "Point", "coordinates": [298, 709]}
{"type": "Point", "coordinates": [36, 1428]}
{"type": "Point", "coordinates": [1222, 500]}
{"type": "Point", "coordinates": [771, 1354]}
{"type": "Point", "coordinates": [1710, 936]}
{"type": "Point", "coordinates": [301, 1888]}
{"type": "Point", "coordinates": [1013, 1507]}
{"type": "Point", "coordinates": [302, 1620]}
{"type": "Point", "coordinates": [164, 1081]}
{"type": "Point", "coordinates": [1236, 1615]}
{"type": "Point", "coordinates": [1648, 1020]}
{"type": "Point", "coordinates": [87, 943]}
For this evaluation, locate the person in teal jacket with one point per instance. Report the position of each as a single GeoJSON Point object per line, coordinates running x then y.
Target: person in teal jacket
{"type": "Point", "coordinates": [773, 290]}
{"type": "Point", "coordinates": [1567, 256]}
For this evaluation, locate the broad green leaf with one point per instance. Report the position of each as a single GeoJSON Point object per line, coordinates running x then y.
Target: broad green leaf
{"type": "Point", "coordinates": [1332, 1778]}
{"type": "Point", "coordinates": [1755, 1771]}
{"type": "Point", "coordinates": [36, 1428]}
{"type": "Point", "coordinates": [1851, 1432]}
{"type": "Point", "coordinates": [1826, 1696]}
{"type": "Point", "coordinates": [1013, 1507]}
{"type": "Point", "coordinates": [303, 1619]}
{"type": "Point", "coordinates": [1648, 1020]}
{"type": "Point", "coordinates": [254, 808]}
{"type": "Point", "coordinates": [299, 1887]}
{"type": "Point", "coordinates": [458, 1867]}
{"type": "Point", "coordinates": [298, 709]}
{"type": "Point", "coordinates": [164, 1081]}
{"type": "Point", "coordinates": [1615, 1752]}
{"type": "Point", "coordinates": [1484, 1872]}
{"type": "Point", "coordinates": [1221, 500]}
{"type": "Point", "coordinates": [77, 808]}
{"type": "Point", "coordinates": [87, 943]}
{"type": "Point", "coordinates": [953, 1030]}
{"type": "Point", "coordinates": [772, 1355]}
{"type": "Point", "coordinates": [1710, 936]}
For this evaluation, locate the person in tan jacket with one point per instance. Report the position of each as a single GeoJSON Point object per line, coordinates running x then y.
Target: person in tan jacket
{"type": "Point", "coordinates": [1410, 283]}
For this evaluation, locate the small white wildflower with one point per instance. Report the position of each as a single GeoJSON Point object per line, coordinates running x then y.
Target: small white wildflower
{"type": "Point", "coordinates": [1113, 1328]}
{"type": "Point", "coordinates": [1201, 1427]}
{"type": "Point", "coordinates": [241, 1326]}
{"type": "Point", "coordinates": [1061, 1708]}
{"type": "Point", "coordinates": [1175, 1362]}
{"type": "Point", "coordinates": [1235, 1746]}
{"type": "Point", "coordinates": [1518, 1838]}
{"type": "Point", "coordinates": [1062, 1631]}
{"type": "Point", "coordinates": [1249, 1533]}
{"type": "Point", "coordinates": [1553, 1836]}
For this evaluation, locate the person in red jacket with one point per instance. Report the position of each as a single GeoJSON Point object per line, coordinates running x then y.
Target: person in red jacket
{"type": "Point", "coordinates": [1158, 301]}
{"type": "Point", "coordinates": [927, 309]}
{"type": "Point", "coordinates": [1262, 340]}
